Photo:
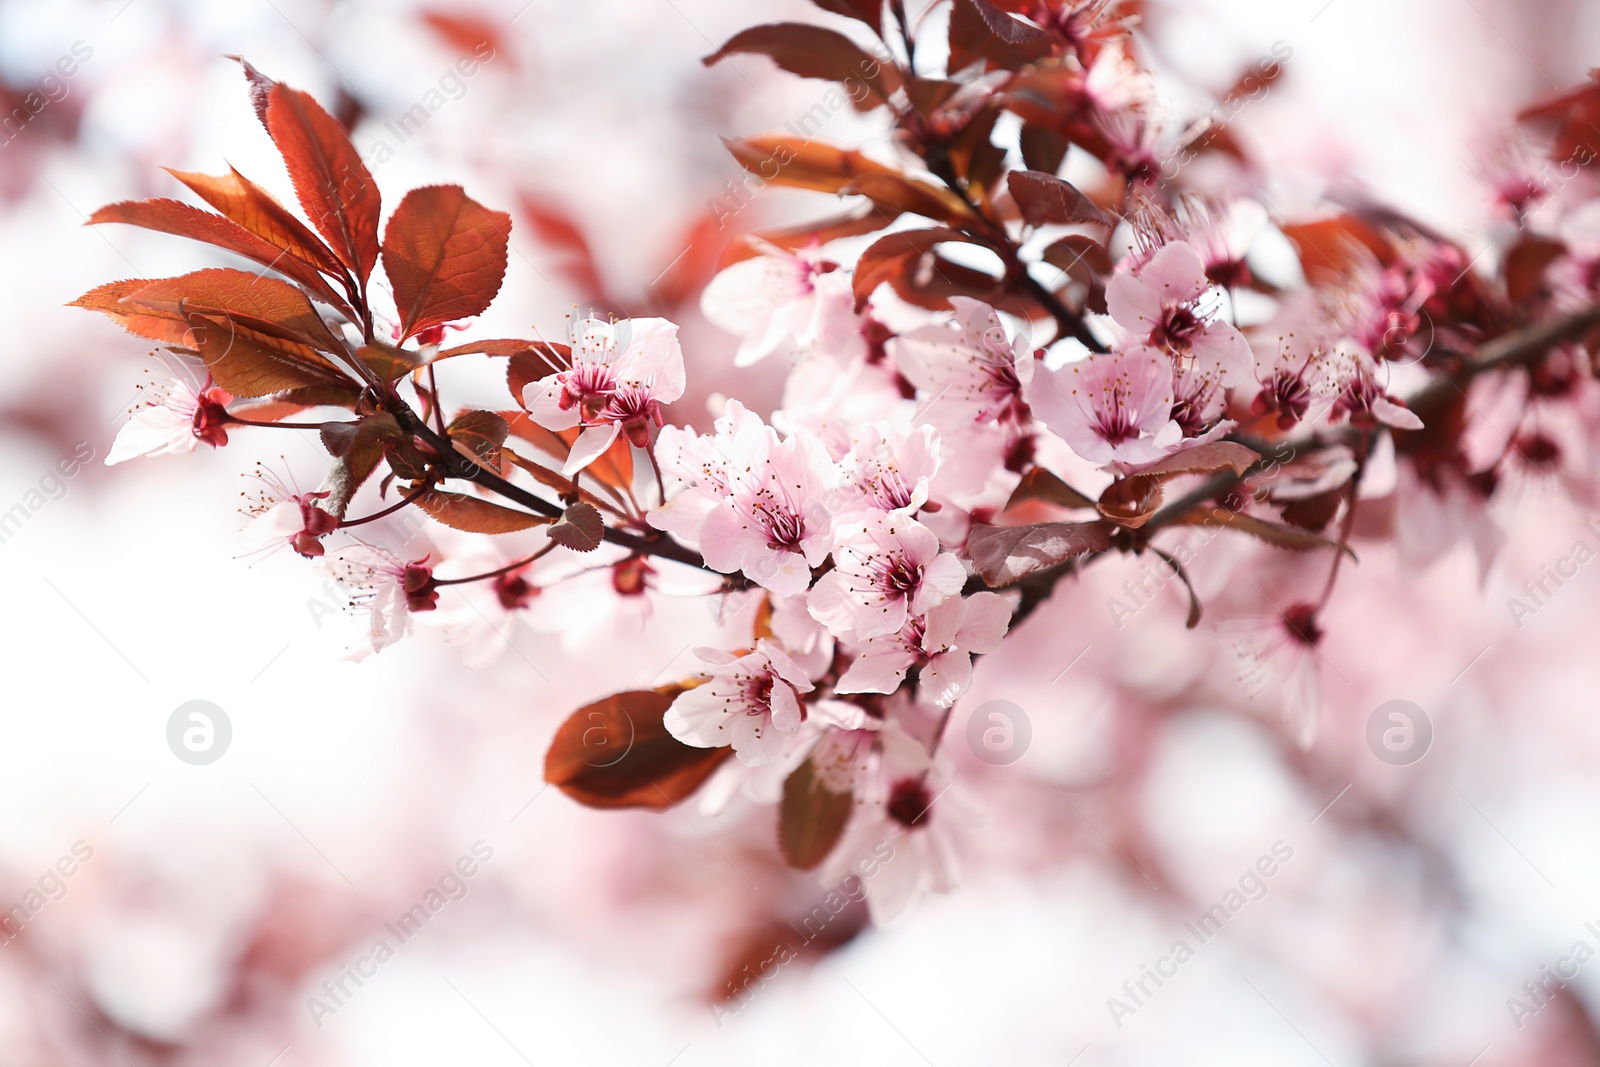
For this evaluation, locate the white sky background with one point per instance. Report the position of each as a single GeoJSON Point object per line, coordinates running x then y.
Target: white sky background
{"type": "Point", "coordinates": [349, 788]}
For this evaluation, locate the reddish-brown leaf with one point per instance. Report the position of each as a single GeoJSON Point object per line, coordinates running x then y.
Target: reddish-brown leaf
{"type": "Point", "coordinates": [254, 334]}
{"type": "Point", "coordinates": [445, 256]}
{"type": "Point", "coordinates": [357, 448]}
{"type": "Point", "coordinates": [1132, 500]}
{"type": "Point", "coordinates": [615, 753]}
{"type": "Point", "coordinates": [265, 305]}
{"type": "Point", "coordinates": [581, 528]}
{"type": "Point", "coordinates": [558, 233]}
{"type": "Point", "coordinates": [1082, 257]}
{"type": "Point", "coordinates": [1331, 248]}
{"type": "Point", "coordinates": [930, 94]}
{"type": "Point", "coordinates": [1525, 267]}
{"type": "Point", "coordinates": [334, 187]}
{"type": "Point", "coordinates": [258, 211]}
{"type": "Point", "coordinates": [387, 361]}
{"type": "Point", "coordinates": [814, 52]}
{"type": "Point", "coordinates": [247, 363]}
{"type": "Point", "coordinates": [895, 255]}
{"type": "Point", "coordinates": [811, 818]}
{"type": "Point", "coordinates": [185, 220]}
{"type": "Point", "coordinates": [465, 32]}
{"type": "Point", "coordinates": [1572, 116]}
{"type": "Point", "coordinates": [863, 218]}
{"type": "Point", "coordinates": [814, 165]}
{"type": "Point", "coordinates": [1045, 199]}
{"type": "Point", "coordinates": [1313, 512]}
{"type": "Point", "coordinates": [481, 433]}
{"type": "Point", "coordinates": [475, 515]}
{"type": "Point", "coordinates": [1271, 532]}
{"type": "Point", "coordinates": [166, 327]}
{"type": "Point", "coordinates": [1043, 147]}
{"type": "Point", "coordinates": [868, 11]}
{"type": "Point", "coordinates": [981, 31]}
{"type": "Point", "coordinates": [1041, 484]}
{"type": "Point", "coordinates": [1004, 555]}
{"type": "Point", "coordinates": [260, 89]}
{"type": "Point", "coordinates": [975, 157]}
{"type": "Point", "coordinates": [293, 401]}
{"type": "Point", "coordinates": [500, 346]}
{"type": "Point", "coordinates": [536, 359]}
{"type": "Point", "coordinates": [1213, 456]}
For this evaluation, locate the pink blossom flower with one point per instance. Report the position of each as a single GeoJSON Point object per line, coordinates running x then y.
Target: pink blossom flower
{"type": "Point", "coordinates": [171, 417]}
{"type": "Point", "coordinates": [890, 469]}
{"type": "Point", "coordinates": [754, 504]}
{"type": "Point", "coordinates": [1198, 404]}
{"type": "Point", "coordinates": [1114, 82]}
{"type": "Point", "coordinates": [1112, 407]}
{"type": "Point", "coordinates": [805, 639]}
{"type": "Point", "coordinates": [284, 516]}
{"type": "Point", "coordinates": [391, 588]}
{"type": "Point", "coordinates": [1222, 235]}
{"type": "Point", "coordinates": [1171, 305]}
{"type": "Point", "coordinates": [620, 376]}
{"type": "Point", "coordinates": [1279, 652]}
{"type": "Point", "coordinates": [1365, 403]}
{"type": "Point", "coordinates": [482, 617]}
{"type": "Point", "coordinates": [703, 463]}
{"type": "Point", "coordinates": [941, 643]}
{"type": "Point", "coordinates": [783, 302]}
{"type": "Point", "coordinates": [893, 842]}
{"type": "Point", "coordinates": [1299, 371]}
{"type": "Point", "coordinates": [846, 751]}
{"type": "Point", "coordinates": [970, 370]}
{"type": "Point", "coordinates": [751, 702]}
{"type": "Point", "coordinates": [885, 570]}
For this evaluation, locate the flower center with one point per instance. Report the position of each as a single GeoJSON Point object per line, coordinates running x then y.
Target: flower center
{"type": "Point", "coordinates": [587, 387]}
{"type": "Point", "coordinates": [909, 801]}
{"type": "Point", "coordinates": [513, 591]}
{"type": "Point", "coordinates": [899, 576]}
{"type": "Point", "coordinates": [1178, 328]}
{"type": "Point", "coordinates": [785, 529]}
{"type": "Point", "coordinates": [629, 577]}
{"type": "Point", "coordinates": [1288, 395]}
{"type": "Point", "coordinates": [1300, 620]}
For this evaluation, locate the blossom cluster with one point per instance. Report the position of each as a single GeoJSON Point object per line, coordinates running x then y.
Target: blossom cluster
{"type": "Point", "coordinates": [930, 475]}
